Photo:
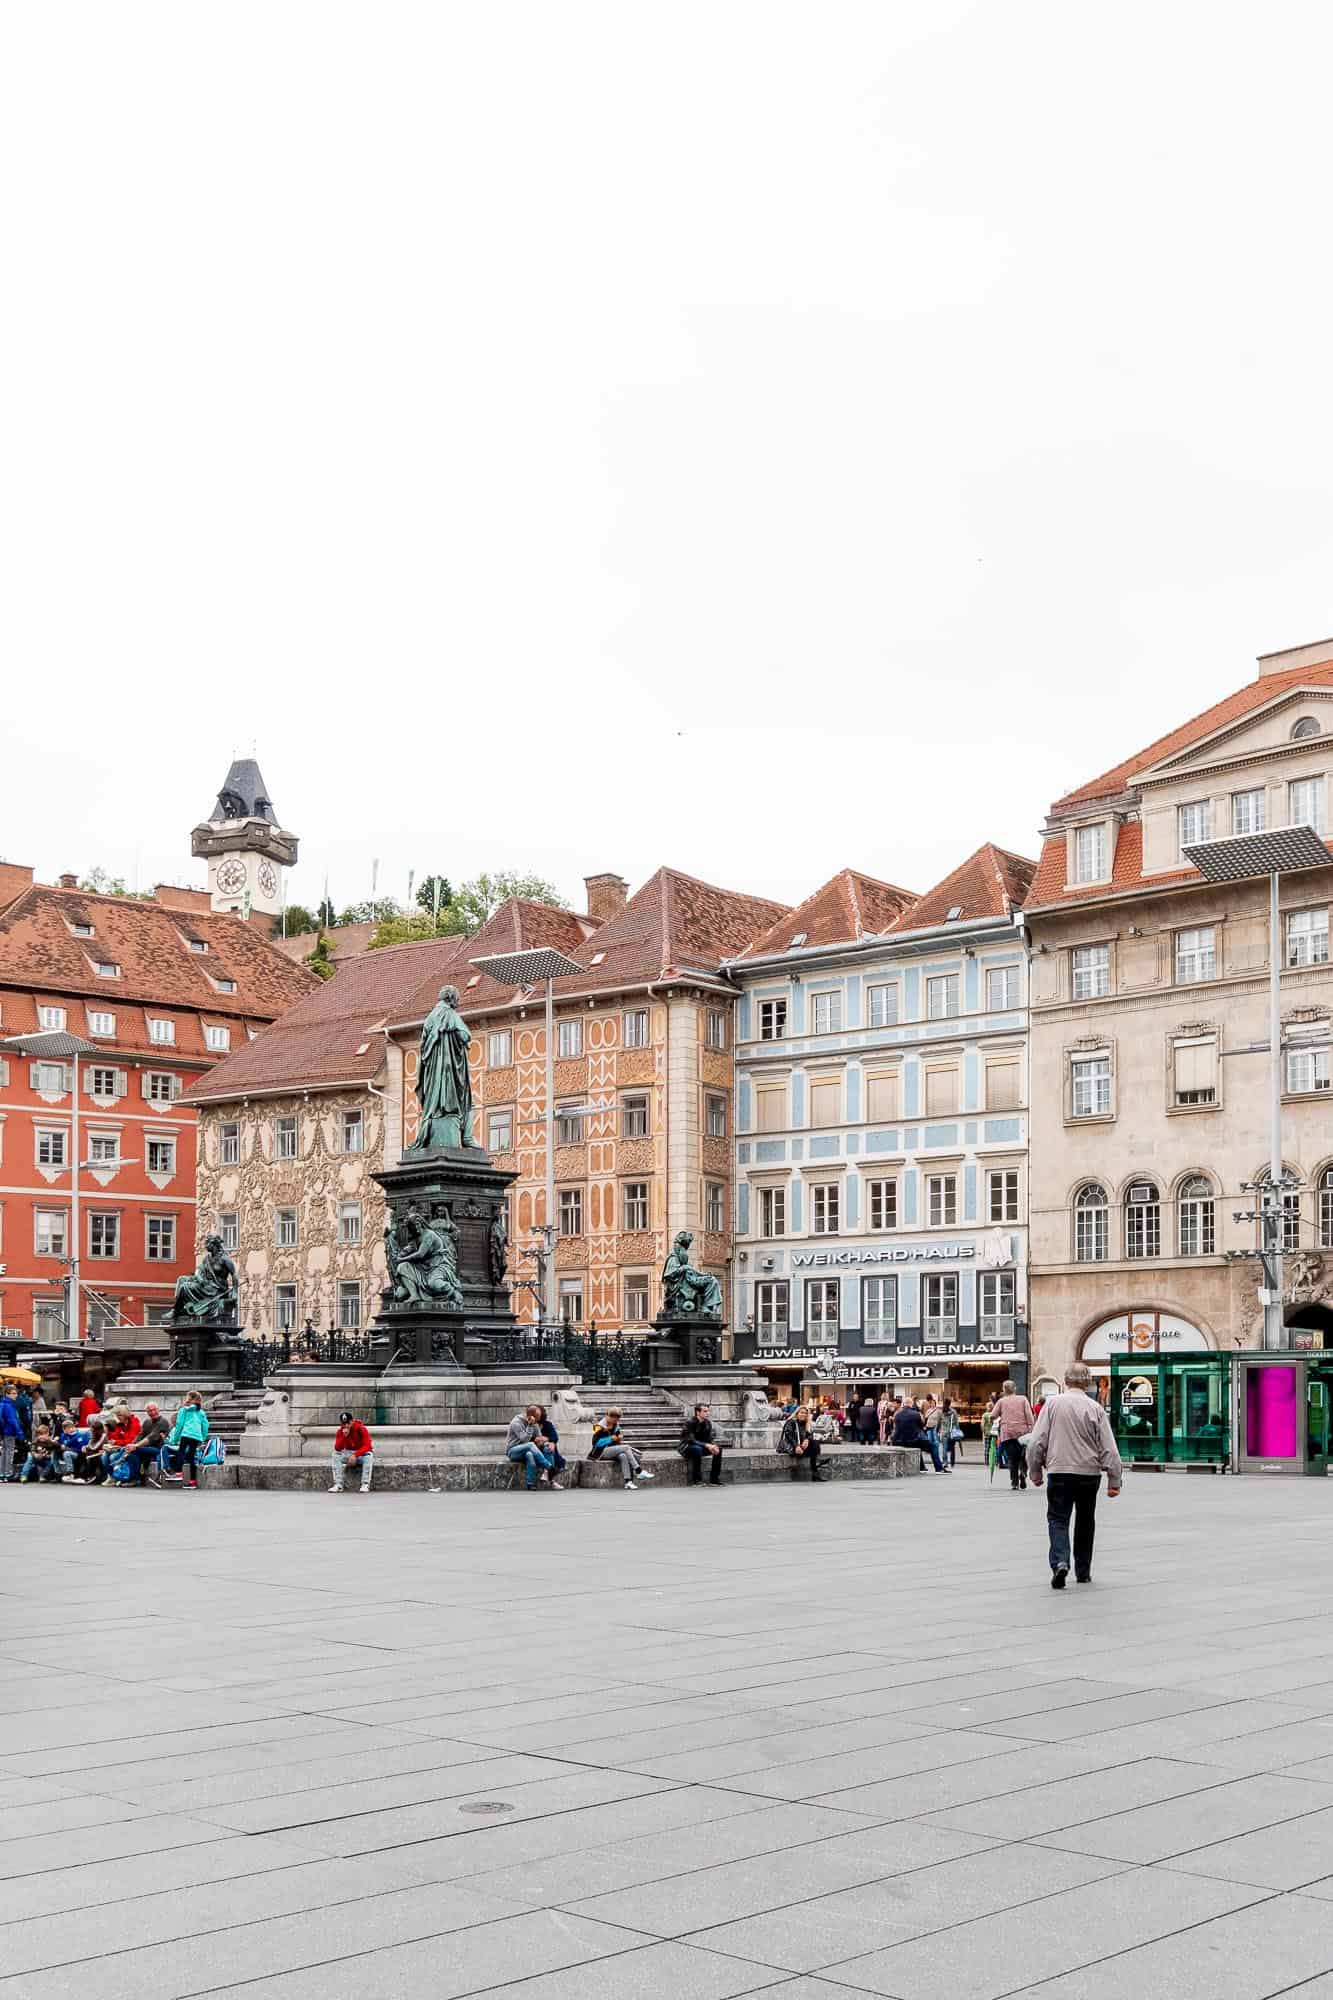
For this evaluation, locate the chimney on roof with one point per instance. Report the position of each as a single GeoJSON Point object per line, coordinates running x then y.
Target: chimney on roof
{"type": "Point", "coordinates": [196, 901]}
{"type": "Point", "coordinates": [1318, 655]}
{"type": "Point", "coordinates": [67, 881]}
{"type": "Point", "coordinates": [606, 895]}
{"type": "Point", "coordinates": [13, 881]}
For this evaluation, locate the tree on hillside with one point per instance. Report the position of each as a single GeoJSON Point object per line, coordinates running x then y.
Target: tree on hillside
{"type": "Point", "coordinates": [479, 899]}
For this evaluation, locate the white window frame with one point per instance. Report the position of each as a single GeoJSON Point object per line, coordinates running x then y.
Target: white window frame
{"type": "Point", "coordinates": [1307, 1072]}
{"type": "Point", "coordinates": [939, 1302]}
{"type": "Point", "coordinates": [1249, 810]}
{"type": "Point", "coordinates": [286, 1229]}
{"type": "Point", "coordinates": [500, 1131]}
{"type": "Point", "coordinates": [104, 1148]}
{"type": "Point", "coordinates": [350, 1221]}
{"type": "Point", "coordinates": [1090, 853]}
{"type": "Point", "coordinates": [882, 1204]}
{"type": "Point", "coordinates": [161, 1086]}
{"type": "Point", "coordinates": [715, 1207]}
{"type": "Point", "coordinates": [942, 989]}
{"type": "Point", "coordinates": [229, 1143]}
{"type": "Point", "coordinates": [634, 1112]}
{"type": "Point", "coordinates": [286, 1307]}
{"type": "Point", "coordinates": [499, 1048]}
{"type": "Point", "coordinates": [284, 1128]}
{"type": "Point", "coordinates": [773, 1019]}
{"type": "Point", "coordinates": [823, 1311]}
{"type": "Point", "coordinates": [1307, 937]}
{"type": "Point", "coordinates": [51, 1020]}
{"type": "Point", "coordinates": [942, 1201]}
{"type": "Point", "coordinates": [826, 1012]}
{"type": "Point", "coordinates": [104, 1222]}
{"type": "Point", "coordinates": [637, 1286]}
{"type": "Point", "coordinates": [54, 1139]}
{"type": "Point", "coordinates": [1311, 793]}
{"type": "Point", "coordinates": [1182, 1100]}
{"type": "Point", "coordinates": [570, 1301]}
{"type": "Point", "coordinates": [569, 1037]}
{"type": "Point", "coordinates": [216, 1038]}
{"type": "Point", "coordinates": [772, 1212]}
{"type": "Point", "coordinates": [883, 1004]}
{"type": "Point", "coordinates": [103, 1033]}
{"type": "Point", "coordinates": [635, 1028]}
{"type": "Point", "coordinates": [715, 1028]}
{"type": "Point", "coordinates": [825, 1207]}
{"type": "Point", "coordinates": [1196, 955]}
{"type": "Point", "coordinates": [50, 1232]}
{"type": "Point", "coordinates": [161, 1033]}
{"type": "Point", "coordinates": [349, 1295]}
{"type": "Point", "coordinates": [772, 1312]}
{"type": "Point", "coordinates": [167, 1145]}
{"type": "Point", "coordinates": [1004, 1182]}
{"type": "Point", "coordinates": [569, 1208]}
{"type": "Point", "coordinates": [1092, 1226]}
{"type": "Point", "coordinates": [354, 1120]}
{"type": "Point", "coordinates": [1326, 1209]}
{"type": "Point", "coordinates": [879, 1309]}
{"type": "Point", "coordinates": [229, 1228]}
{"type": "Point", "coordinates": [570, 1126]}
{"type": "Point", "coordinates": [1194, 822]}
{"type": "Point", "coordinates": [1008, 978]}
{"type": "Point", "coordinates": [715, 1116]}
{"type": "Point", "coordinates": [1090, 1077]}
{"type": "Point", "coordinates": [635, 1208]}
{"type": "Point", "coordinates": [159, 1229]}
{"type": "Point", "coordinates": [1196, 1218]}
{"type": "Point", "coordinates": [1143, 1226]}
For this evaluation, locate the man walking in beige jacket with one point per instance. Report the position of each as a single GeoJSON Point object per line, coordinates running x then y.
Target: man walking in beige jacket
{"type": "Point", "coordinates": [1071, 1448]}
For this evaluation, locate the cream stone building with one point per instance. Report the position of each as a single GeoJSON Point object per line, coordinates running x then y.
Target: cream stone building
{"type": "Point", "coordinates": [1149, 1030]}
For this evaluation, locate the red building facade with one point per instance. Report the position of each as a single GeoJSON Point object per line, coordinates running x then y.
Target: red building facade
{"type": "Point", "coordinates": [163, 988]}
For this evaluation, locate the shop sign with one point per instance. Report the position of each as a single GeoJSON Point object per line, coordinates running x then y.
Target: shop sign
{"type": "Point", "coordinates": [886, 1253]}
{"type": "Point", "coordinates": [953, 1350]}
{"type": "Point", "coordinates": [893, 1371]}
{"type": "Point", "coordinates": [1143, 1333]}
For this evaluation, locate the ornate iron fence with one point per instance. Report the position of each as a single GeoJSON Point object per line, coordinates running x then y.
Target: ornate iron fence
{"type": "Point", "coordinates": [594, 1357]}
{"type": "Point", "coordinates": [258, 1358]}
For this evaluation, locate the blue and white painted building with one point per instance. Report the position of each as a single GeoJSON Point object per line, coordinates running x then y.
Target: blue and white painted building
{"type": "Point", "coordinates": [881, 1137]}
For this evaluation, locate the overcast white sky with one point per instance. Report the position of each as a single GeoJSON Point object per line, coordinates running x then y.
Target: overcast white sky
{"type": "Point", "coordinates": [758, 437]}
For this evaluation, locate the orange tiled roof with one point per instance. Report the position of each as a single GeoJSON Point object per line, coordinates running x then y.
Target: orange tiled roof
{"type": "Point", "coordinates": [847, 907]}
{"type": "Point", "coordinates": [990, 883]}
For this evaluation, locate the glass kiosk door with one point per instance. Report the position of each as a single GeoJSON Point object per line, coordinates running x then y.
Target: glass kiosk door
{"type": "Point", "coordinates": [1270, 1414]}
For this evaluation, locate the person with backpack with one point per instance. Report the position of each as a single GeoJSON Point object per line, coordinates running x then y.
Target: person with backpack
{"type": "Point", "coordinates": [189, 1435]}
{"type": "Point", "coordinates": [799, 1444]}
{"type": "Point", "coordinates": [352, 1446]}
{"type": "Point", "coordinates": [607, 1443]}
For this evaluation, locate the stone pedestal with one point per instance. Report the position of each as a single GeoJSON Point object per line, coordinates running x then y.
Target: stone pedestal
{"type": "Point", "coordinates": [459, 1185]}
{"type": "Point", "coordinates": [736, 1395]}
{"type": "Point", "coordinates": [684, 1343]}
{"type": "Point", "coordinates": [199, 1346]}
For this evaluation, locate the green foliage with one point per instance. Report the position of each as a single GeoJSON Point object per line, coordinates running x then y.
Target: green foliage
{"type": "Point", "coordinates": [300, 920]}
{"type": "Point", "coordinates": [97, 882]}
{"type": "Point", "coordinates": [378, 911]}
{"type": "Point", "coordinates": [479, 899]}
{"type": "Point", "coordinates": [326, 916]}
{"type": "Point", "coordinates": [411, 929]}
{"type": "Point", "coordinates": [319, 961]}
{"type": "Point", "coordinates": [426, 892]}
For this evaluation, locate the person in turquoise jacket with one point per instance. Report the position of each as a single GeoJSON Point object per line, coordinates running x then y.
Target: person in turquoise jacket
{"type": "Point", "coordinates": [189, 1434]}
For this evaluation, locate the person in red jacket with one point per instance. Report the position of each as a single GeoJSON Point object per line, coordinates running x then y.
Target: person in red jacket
{"type": "Point", "coordinates": [352, 1446]}
{"type": "Point", "coordinates": [89, 1405]}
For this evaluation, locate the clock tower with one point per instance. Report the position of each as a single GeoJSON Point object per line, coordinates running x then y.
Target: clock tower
{"type": "Point", "coordinates": [245, 848]}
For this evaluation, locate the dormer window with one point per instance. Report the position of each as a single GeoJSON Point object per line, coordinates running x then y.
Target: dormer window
{"type": "Point", "coordinates": [195, 944]}
{"type": "Point", "coordinates": [51, 1020]}
{"type": "Point", "coordinates": [225, 985]}
{"type": "Point", "coordinates": [799, 938]}
{"type": "Point", "coordinates": [82, 930]}
{"type": "Point", "coordinates": [953, 913]}
{"type": "Point", "coordinates": [160, 1031]}
{"type": "Point", "coordinates": [1090, 854]}
{"type": "Point", "coordinates": [1306, 803]}
{"type": "Point", "coordinates": [1194, 823]}
{"type": "Point", "coordinates": [1304, 729]}
{"type": "Point", "coordinates": [106, 968]}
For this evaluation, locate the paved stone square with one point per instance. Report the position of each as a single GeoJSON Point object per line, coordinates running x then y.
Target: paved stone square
{"type": "Point", "coordinates": [782, 1740]}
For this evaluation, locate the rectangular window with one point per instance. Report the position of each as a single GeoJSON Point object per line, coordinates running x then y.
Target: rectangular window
{"type": "Point", "coordinates": [48, 1320]}
{"type": "Point", "coordinates": [941, 1093]}
{"type": "Point", "coordinates": [354, 1132]}
{"type": "Point", "coordinates": [101, 1024]}
{"type": "Point", "coordinates": [941, 1200]}
{"type": "Point", "coordinates": [285, 1229]}
{"type": "Point", "coordinates": [1090, 854]}
{"type": "Point", "coordinates": [571, 1300]}
{"type": "Point", "coordinates": [1193, 823]}
{"type": "Point", "coordinates": [636, 1299]}
{"type": "Point", "coordinates": [229, 1145]}
{"type": "Point", "coordinates": [636, 1205]}
{"type": "Point", "coordinates": [1196, 955]}
{"type": "Point", "coordinates": [715, 1114]}
{"type": "Point", "coordinates": [882, 1204]}
{"type": "Point", "coordinates": [1307, 937]}
{"type": "Point", "coordinates": [882, 1006]}
{"type": "Point", "coordinates": [1002, 1195]}
{"type": "Point", "coordinates": [160, 1031]}
{"type": "Point", "coordinates": [229, 1229]}
{"type": "Point", "coordinates": [821, 1312]}
{"type": "Point", "coordinates": [1091, 1094]}
{"type": "Point", "coordinates": [103, 1235]}
{"type": "Point", "coordinates": [49, 1232]}
{"type": "Point", "coordinates": [217, 1039]}
{"type": "Point", "coordinates": [52, 1146]}
{"type": "Point", "coordinates": [715, 1028]}
{"type": "Point", "coordinates": [772, 1211]}
{"type": "Point", "coordinates": [1002, 988]}
{"type": "Point", "coordinates": [1291, 1221]}
{"type": "Point", "coordinates": [1305, 803]}
{"type": "Point", "coordinates": [771, 1312]}
{"type": "Point", "coordinates": [50, 1079]}
{"type": "Point", "coordinates": [1197, 1226]}
{"type": "Point", "coordinates": [284, 1309]}
{"type": "Point", "coordinates": [499, 1131]}
{"type": "Point", "coordinates": [161, 1239]}
{"type": "Point", "coordinates": [105, 968]}
{"type": "Point", "coordinates": [571, 1211]}
{"type": "Point", "coordinates": [825, 1208]}
{"type": "Point", "coordinates": [1194, 1071]}
{"type": "Point", "coordinates": [995, 1304]}
{"type": "Point", "coordinates": [569, 1037]}
{"type": "Point", "coordinates": [939, 1306]}
{"type": "Point", "coordinates": [161, 1087]}
{"type": "Point", "coordinates": [634, 1117]}
{"type": "Point", "coordinates": [104, 1149]}
{"type": "Point", "coordinates": [772, 1020]}
{"type": "Point", "coordinates": [225, 985]}
{"type": "Point", "coordinates": [349, 1305]}
{"type": "Point", "coordinates": [882, 1098]}
{"type": "Point", "coordinates": [51, 1019]}
{"type": "Point", "coordinates": [942, 996]}
{"type": "Point", "coordinates": [879, 1311]}
{"type": "Point", "coordinates": [1004, 1085]}
{"type": "Point", "coordinates": [349, 1222]}
{"type": "Point", "coordinates": [1090, 1227]}
{"type": "Point", "coordinates": [826, 1013]}
{"type": "Point", "coordinates": [636, 1028]}
{"type": "Point", "coordinates": [825, 1100]}
{"type": "Point", "coordinates": [715, 1207]}
{"type": "Point", "coordinates": [1143, 1221]}
{"type": "Point", "coordinates": [161, 1156]}
{"type": "Point", "coordinates": [499, 1048]}
{"type": "Point", "coordinates": [102, 1083]}
{"type": "Point", "coordinates": [284, 1138]}
{"type": "Point", "coordinates": [1249, 811]}
{"type": "Point", "coordinates": [568, 1126]}
{"type": "Point", "coordinates": [1092, 971]}
{"type": "Point", "coordinates": [1307, 1070]}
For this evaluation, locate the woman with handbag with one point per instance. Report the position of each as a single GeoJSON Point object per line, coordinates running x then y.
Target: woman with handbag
{"type": "Point", "coordinates": [798, 1444]}
{"type": "Point", "coordinates": [951, 1431]}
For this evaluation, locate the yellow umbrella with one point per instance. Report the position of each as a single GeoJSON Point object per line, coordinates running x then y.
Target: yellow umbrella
{"type": "Point", "coordinates": [27, 1376]}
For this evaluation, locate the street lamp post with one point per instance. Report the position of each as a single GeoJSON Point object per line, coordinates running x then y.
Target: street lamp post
{"type": "Point", "coordinates": [542, 963]}
{"type": "Point", "coordinates": [1247, 857]}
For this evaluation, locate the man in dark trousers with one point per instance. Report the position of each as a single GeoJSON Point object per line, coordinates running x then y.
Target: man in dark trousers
{"type": "Point", "coordinates": [700, 1446]}
{"type": "Point", "coordinates": [1072, 1446]}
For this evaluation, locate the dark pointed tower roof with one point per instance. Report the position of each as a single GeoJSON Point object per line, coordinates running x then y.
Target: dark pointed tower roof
{"type": "Point", "coordinates": [244, 795]}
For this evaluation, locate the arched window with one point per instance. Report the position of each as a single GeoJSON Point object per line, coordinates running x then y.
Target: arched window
{"type": "Point", "coordinates": [1196, 1218]}
{"type": "Point", "coordinates": [1307, 726]}
{"type": "Point", "coordinates": [1326, 1209]}
{"type": "Point", "coordinates": [1143, 1220]}
{"type": "Point", "coordinates": [1090, 1218]}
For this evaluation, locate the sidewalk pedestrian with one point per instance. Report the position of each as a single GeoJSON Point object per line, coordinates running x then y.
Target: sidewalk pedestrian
{"type": "Point", "coordinates": [800, 1445]}
{"type": "Point", "coordinates": [1014, 1419]}
{"type": "Point", "coordinates": [352, 1446]}
{"type": "Point", "coordinates": [951, 1432]}
{"type": "Point", "coordinates": [867, 1422]}
{"type": "Point", "coordinates": [11, 1431]}
{"type": "Point", "coordinates": [523, 1446]}
{"type": "Point", "coordinates": [189, 1435]}
{"type": "Point", "coordinates": [1071, 1448]}
{"type": "Point", "coordinates": [700, 1446]}
{"type": "Point", "coordinates": [608, 1443]}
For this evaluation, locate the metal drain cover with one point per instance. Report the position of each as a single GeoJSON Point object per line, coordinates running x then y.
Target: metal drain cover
{"type": "Point", "coordinates": [487, 1806]}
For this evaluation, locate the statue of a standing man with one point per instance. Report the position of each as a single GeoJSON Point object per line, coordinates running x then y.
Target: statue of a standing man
{"type": "Point", "coordinates": [444, 1088]}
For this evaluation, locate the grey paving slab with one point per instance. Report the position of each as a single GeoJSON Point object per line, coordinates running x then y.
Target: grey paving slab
{"type": "Point", "coordinates": [79, 1889]}
{"type": "Point", "coordinates": [353, 1796]}
{"type": "Point", "coordinates": [1285, 1855]}
{"type": "Point", "coordinates": [653, 1972]}
{"type": "Point", "coordinates": [1177, 1826]}
{"type": "Point", "coordinates": [112, 1838]}
{"type": "Point", "coordinates": [998, 1774]}
{"type": "Point", "coordinates": [1005, 1949]}
{"type": "Point", "coordinates": [1043, 1807]}
{"type": "Point", "coordinates": [1257, 1952]}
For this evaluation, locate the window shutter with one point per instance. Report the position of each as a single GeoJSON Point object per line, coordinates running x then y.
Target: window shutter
{"type": "Point", "coordinates": [941, 1092]}
{"type": "Point", "coordinates": [772, 1107]}
{"type": "Point", "coordinates": [1002, 1086]}
{"type": "Point", "coordinates": [122, 1083]}
{"type": "Point", "coordinates": [1196, 1065]}
{"type": "Point", "coordinates": [175, 1088]}
{"type": "Point", "coordinates": [143, 1083]}
{"type": "Point", "coordinates": [824, 1101]}
{"type": "Point", "coordinates": [882, 1100]}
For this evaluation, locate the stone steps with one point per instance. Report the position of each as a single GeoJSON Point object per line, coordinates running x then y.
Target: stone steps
{"type": "Point", "coordinates": [649, 1418]}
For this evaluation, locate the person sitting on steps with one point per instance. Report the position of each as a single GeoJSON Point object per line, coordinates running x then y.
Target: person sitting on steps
{"type": "Point", "coordinates": [798, 1444]}
{"type": "Point", "coordinates": [607, 1443]}
{"type": "Point", "coordinates": [699, 1443]}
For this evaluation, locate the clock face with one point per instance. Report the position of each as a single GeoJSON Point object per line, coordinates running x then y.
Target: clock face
{"type": "Point", "coordinates": [268, 879]}
{"type": "Point", "coordinates": [231, 877]}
